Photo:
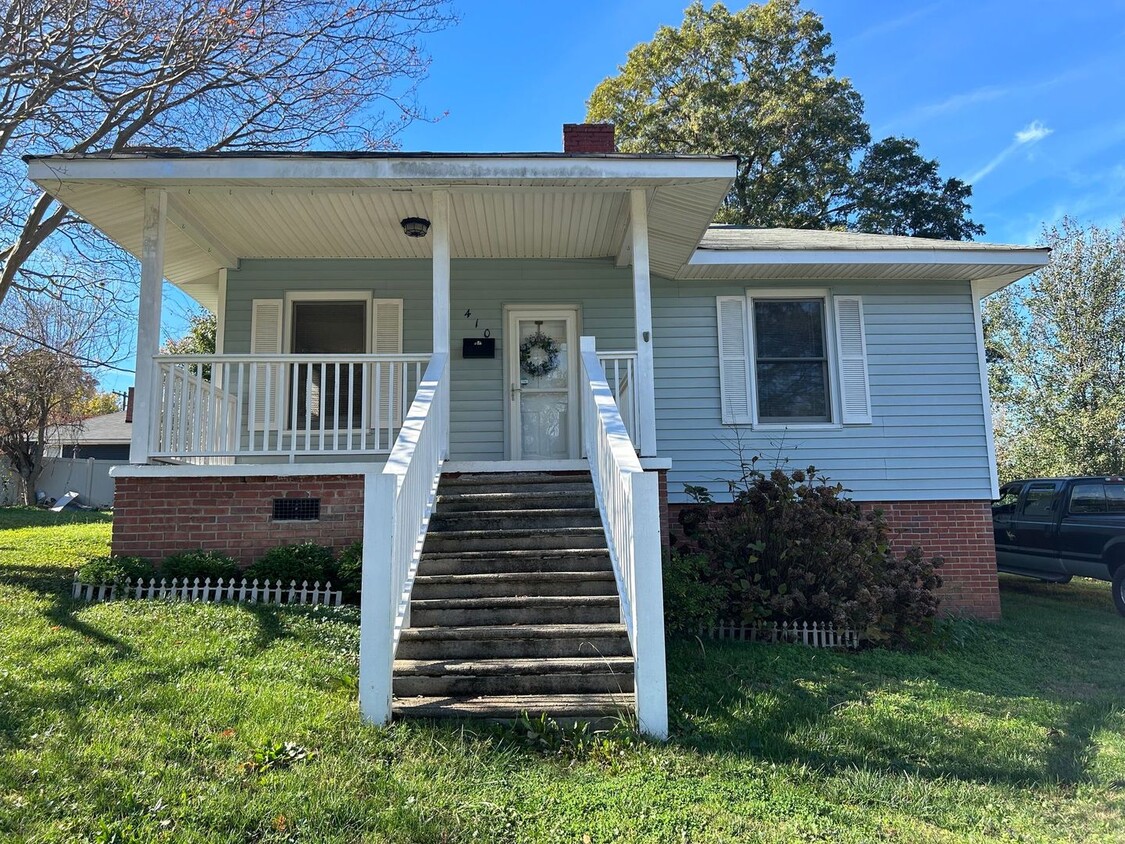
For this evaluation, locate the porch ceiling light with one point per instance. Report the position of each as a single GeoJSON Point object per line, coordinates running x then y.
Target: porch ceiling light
{"type": "Point", "coordinates": [415, 226]}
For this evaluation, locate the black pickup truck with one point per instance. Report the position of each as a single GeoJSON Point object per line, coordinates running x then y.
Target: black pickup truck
{"type": "Point", "coordinates": [1055, 528]}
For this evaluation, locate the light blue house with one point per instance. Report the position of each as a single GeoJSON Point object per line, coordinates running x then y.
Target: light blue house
{"type": "Point", "coordinates": [391, 321]}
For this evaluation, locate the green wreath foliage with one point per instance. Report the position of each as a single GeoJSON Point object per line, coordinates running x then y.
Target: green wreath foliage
{"type": "Point", "coordinates": [550, 360]}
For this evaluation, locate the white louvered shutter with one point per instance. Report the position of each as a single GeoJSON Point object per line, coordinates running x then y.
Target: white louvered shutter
{"type": "Point", "coordinates": [386, 339]}
{"type": "Point", "coordinates": [855, 394]}
{"type": "Point", "coordinates": [266, 319]}
{"type": "Point", "coordinates": [734, 360]}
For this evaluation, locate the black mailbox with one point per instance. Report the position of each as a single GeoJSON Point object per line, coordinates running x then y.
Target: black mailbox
{"type": "Point", "coordinates": [478, 347]}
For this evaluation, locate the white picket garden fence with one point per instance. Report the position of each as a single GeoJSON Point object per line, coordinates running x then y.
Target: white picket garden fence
{"type": "Point", "coordinates": [815, 635]}
{"type": "Point", "coordinates": [230, 591]}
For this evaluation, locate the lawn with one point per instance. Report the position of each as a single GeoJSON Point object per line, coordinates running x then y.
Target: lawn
{"type": "Point", "coordinates": [146, 721]}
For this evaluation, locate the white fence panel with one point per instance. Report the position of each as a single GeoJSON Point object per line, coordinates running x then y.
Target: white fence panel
{"type": "Point", "coordinates": [194, 590]}
{"type": "Point", "coordinates": [86, 476]}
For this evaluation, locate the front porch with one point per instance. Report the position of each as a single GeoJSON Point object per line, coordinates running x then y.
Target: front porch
{"type": "Point", "coordinates": [382, 397]}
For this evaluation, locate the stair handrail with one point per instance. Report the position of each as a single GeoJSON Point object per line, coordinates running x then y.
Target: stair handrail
{"type": "Point", "coordinates": [397, 504]}
{"type": "Point", "coordinates": [629, 502]}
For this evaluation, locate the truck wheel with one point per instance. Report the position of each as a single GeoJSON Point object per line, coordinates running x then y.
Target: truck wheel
{"type": "Point", "coordinates": [1119, 589]}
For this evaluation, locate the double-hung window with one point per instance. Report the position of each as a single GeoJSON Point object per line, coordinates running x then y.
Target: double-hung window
{"type": "Point", "coordinates": [792, 358]}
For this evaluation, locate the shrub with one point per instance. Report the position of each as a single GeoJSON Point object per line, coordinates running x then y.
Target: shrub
{"type": "Point", "coordinates": [301, 562]}
{"type": "Point", "coordinates": [793, 547]}
{"type": "Point", "coordinates": [111, 569]}
{"type": "Point", "coordinates": [349, 570]}
{"type": "Point", "coordinates": [201, 564]}
{"type": "Point", "coordinates": [691, 598]}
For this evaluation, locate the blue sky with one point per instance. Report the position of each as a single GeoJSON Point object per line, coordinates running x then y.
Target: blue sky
{"type": "Point", "coordinates": [1025, 100]}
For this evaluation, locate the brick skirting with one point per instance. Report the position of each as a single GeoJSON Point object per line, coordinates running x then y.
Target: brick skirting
{"type": "Point", "coordinates": [959, 531]}
{"type": "Point", "coordinates": [155, 517]}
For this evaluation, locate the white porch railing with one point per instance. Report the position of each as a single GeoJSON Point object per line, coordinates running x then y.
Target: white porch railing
{"type": "Point", "coordinates": [397, 504]}
{"type": "Point", "coordinates": [621, 375]}
{"type": "Point", "coordinates": [629, 501]}
{"type": "Point", "coordinates": [215, 406]}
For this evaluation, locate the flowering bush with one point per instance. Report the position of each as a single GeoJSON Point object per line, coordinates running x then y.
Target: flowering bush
{"type": "Point", "coordinates": [793, 547]}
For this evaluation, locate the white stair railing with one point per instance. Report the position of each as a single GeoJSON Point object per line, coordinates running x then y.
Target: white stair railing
{"type": "Point", "coordinates": [397, 504]}
{"type": "Point", "coordinates": [629, 501]}
{"type": "Point", "coordinates": [621, 374]}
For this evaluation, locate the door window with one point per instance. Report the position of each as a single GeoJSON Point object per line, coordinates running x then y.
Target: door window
{"type": "Point", "coordinates": [1087, 498]}
{"type": "Point", "coordinates": [1005, 505]}
{"type": "Point", "coordinates": [1039, 502]}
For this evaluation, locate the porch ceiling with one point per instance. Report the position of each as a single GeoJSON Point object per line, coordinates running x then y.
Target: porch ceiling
{"type": "Point", "coordinates": [222, 209]}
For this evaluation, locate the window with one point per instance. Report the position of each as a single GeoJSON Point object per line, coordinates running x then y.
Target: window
{"type": "Point", "coordinates": [791, 361]}
{"type": "Point", "coordinates": [1087, 498]}
{"type": "Point", "coordinates": [789, 358]}
{"type": "Point", "coordinates": [1039, 502]}
{"type": "Point", "coordinates": [1115, 498]}
{"type": "Point", "coordinates": [1005, 505]}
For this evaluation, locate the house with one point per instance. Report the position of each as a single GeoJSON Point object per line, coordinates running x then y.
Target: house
{"type": "Point", "coordinates": [519, 328]}
{"type": "Point", "coordinates": [103, 437]}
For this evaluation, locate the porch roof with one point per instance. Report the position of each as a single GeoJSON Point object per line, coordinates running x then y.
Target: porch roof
{"type": "Point", "coordinates": [229, 206]}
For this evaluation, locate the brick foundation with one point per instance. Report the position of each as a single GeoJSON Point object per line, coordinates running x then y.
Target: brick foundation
{"type": "Point", "coordinates": [155, 517]}
{"type": "Point", "coordinates": [959, 531]}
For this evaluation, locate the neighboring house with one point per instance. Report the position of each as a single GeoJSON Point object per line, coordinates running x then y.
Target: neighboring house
{"type": "Point", "coordinates": [356, 290]}
{"type": "Point", "coordinates": [104, 437]}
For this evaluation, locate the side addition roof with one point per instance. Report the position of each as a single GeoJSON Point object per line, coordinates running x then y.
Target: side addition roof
{"type": "Point", "coordinates": [734, 252]}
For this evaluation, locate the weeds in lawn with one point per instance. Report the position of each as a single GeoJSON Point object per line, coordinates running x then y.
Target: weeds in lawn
{"type": "Point", "coordinates": [577, 742]}
{"type": "Point", "coordinates": [275, 755]}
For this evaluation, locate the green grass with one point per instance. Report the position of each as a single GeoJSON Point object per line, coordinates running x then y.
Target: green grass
{"type": "Point", "coordinates": [145, 721]}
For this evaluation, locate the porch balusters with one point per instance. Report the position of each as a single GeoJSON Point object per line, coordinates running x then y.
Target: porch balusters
{"type": "Point", "coordinates": [287, 405]}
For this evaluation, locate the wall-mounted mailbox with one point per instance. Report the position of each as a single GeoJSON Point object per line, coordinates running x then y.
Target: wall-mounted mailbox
{"type": "Point", "coordinates": [478, 347]}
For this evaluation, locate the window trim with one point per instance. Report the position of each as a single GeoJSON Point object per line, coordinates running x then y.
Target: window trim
{"type": "Point", "coordinates": [830, 341]}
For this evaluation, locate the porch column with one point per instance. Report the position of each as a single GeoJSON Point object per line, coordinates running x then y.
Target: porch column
{"type": "Point", "coordinates": [642, 318]}
{"type": "Point", "coordinates": [440, 227]}
{"type": "Point", "coordinates": [148, 322]}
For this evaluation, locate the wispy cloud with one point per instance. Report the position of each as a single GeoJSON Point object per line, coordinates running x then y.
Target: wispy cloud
{"type": "Point", "coordinates": [893, 24]}
{"type": "Point", "coordinates": [1033, 133]}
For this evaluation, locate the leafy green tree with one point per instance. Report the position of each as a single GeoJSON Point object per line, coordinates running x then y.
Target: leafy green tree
{"type": "Point", "coordinates": [199, 339]}
{"type": "Point", "coordinates": [1058, 359]}
{"type": "Point", "coordinates": [759, 83]}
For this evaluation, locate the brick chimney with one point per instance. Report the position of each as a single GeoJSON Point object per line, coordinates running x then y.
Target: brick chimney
{"type": "Point", "coordinates": [129, 406]}
{"type": "Point", "coordinates": [588, 137]}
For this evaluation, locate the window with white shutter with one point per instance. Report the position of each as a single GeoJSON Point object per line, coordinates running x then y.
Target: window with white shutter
{"type": "Point", "coordinates": [268, 386]}
{"type": "Point", "coordinates": [779, 357]}
{"type": "Point", "coordinates": [734, 360]}
{"type": "Point", "coordinates": [386, 339]}
{"type": "Point", "coordinates": [855, 395]}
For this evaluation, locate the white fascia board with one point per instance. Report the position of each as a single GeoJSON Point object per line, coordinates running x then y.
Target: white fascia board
{"type": "Point", "coordinates": [440, 171]}
{"type": "Point", "coordinates": [1031, 258]}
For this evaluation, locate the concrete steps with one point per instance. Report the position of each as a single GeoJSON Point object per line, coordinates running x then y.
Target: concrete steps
{"type": "Point", "coordinates": [515, 606]}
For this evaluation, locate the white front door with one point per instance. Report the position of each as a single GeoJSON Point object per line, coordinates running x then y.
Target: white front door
{"type": "Point", "coordinates": [541, 359]}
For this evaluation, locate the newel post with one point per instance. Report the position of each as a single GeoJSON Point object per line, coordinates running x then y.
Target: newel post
{"type": "Point", "coordinates": [650, 670]}
{"type": "Point", "coordinates": [148, 323]}
{"type": "Point", "coordinates": [376, 609]}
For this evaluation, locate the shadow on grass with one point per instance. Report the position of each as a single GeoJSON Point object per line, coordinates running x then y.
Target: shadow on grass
{"type": "Point", "coordinates": [52, 584]}
{"type": "Point", "coordinates": [1020, 703]}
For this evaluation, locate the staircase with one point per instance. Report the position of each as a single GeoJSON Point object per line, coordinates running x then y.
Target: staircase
{"type": "Point", "coordinates": [515, 607]}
